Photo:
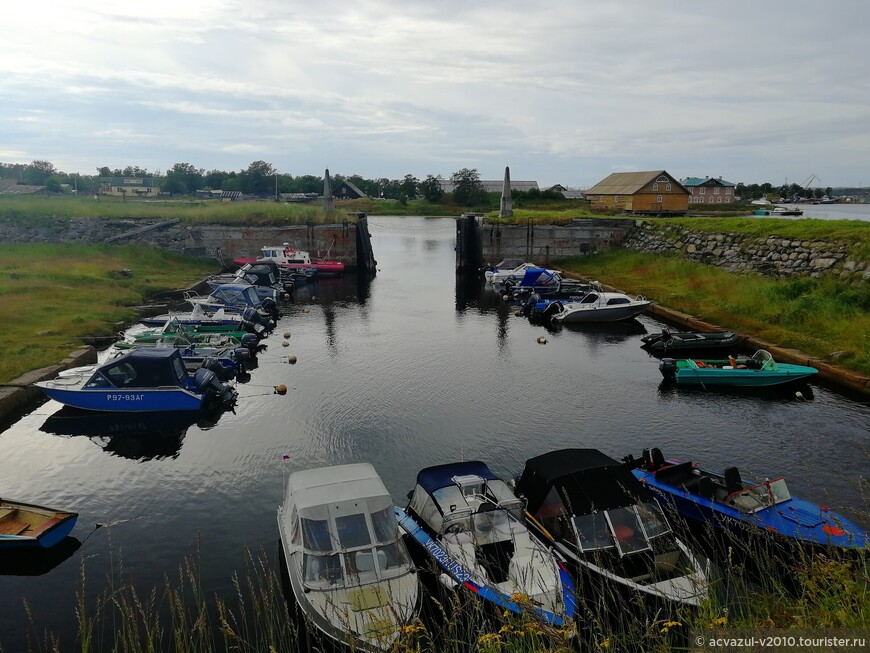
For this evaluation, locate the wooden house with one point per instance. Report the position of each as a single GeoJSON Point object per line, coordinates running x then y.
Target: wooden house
{"type": "Point", "coordinates": [348, 191]}
{"type": "Point", "coordinates": [653, 191]}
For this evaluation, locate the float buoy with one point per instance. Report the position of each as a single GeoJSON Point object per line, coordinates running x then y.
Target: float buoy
{"type": "Point", "coordinates": [306, 310]}
{"type": "Point", "coordinates": [285, 344]}
{"type": "Point", "coordinates": [518, 313]}
{"type": "Point", "coordinates": [286, 334]}
{"type": "Point", "coordinates": [506, 297]}
{"type": "Point", "coordinates": [292, 360]}
{"type": "Point", "coordinates": [542, 340]}
{"type": "Point", "coordinates": [281, 389]}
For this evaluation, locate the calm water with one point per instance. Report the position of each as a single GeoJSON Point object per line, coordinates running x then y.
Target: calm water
{"type": "Point", "coordinates": [413, 369]}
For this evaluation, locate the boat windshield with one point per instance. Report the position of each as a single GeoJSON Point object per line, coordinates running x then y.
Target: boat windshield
{"type": "Point", "coordinates": [629, 529]}
{"type": "Point", "coordinates": [352, 549]}
{"type": "Point", "coordinates": [763, 360]}
{"type": "Point", "coordinates": [760, 496]}
{"type": "Point", "coordinates": [494, 525]}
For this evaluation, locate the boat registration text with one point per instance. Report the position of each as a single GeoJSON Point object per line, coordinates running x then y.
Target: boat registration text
{"type": "Point", "coordinates": [125, 396]}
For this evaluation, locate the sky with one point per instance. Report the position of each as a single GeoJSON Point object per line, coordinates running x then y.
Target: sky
{"type": "Point", "coordinates": [561, 92]}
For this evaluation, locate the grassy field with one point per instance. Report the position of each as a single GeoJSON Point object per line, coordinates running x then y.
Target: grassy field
{"type": "Point", "coordinates": [818, 316]}
{"type": "Point", "coordinates": [250, 212]}
{"type": "Point", "coordinates": [53, 295]}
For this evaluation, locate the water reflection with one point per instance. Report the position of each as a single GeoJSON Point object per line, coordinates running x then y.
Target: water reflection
{"type": "Point", "coordinates": [798, 392]}
{"type": "Point", "coordinates": [138, 436]}
{"type": "Point", "coordinates": [37, 561]}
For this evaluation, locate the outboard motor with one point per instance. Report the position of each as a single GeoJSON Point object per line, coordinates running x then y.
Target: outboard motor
{"type": "Point", "coordinates": [529, 304]}
{"type": "Point", "coordinates": [666, 337]}
{"type": "Point", "coordinates": [668, 368]}
{"type": "Point", "coordinates": [249, 342]}
{"type": "Point", "coordinates": [271, 307]}
{"type": "Point", "coordinates": [551, 310]}
{"type": "Point", "coordinates": [252, 317]}
{"type": "Point", "coordinates": [208, 383]}
{"type": "Point", "coordinates": [220, 371]}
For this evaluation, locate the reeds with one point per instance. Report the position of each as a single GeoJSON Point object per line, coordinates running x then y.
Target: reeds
{"type": "Point", "coordinates": [755, 587]}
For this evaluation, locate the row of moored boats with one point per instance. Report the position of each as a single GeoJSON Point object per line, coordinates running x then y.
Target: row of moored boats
{"type": "Point", "coordinates": [576, 526]}
{"type": "Point", "coordinates": [692, 358]}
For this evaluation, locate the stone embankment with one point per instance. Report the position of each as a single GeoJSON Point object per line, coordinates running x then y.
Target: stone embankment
{"type": "Point", "coordinates": [771, 255]}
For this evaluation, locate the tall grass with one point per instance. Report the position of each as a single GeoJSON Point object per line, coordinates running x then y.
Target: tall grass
{"type": "Point", "coordinates": [751, 589]}
{"type": "Point", "coordinates": [819, 316]}
{"type": "Point", "coordinates": [53, 295]}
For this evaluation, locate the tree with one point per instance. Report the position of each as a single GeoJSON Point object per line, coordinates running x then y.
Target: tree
{"type": "Point", "coordinates": [38, 172]}
{"type": "Point", "coordinates": [183, 178]}
{"type": "Point", "coordinates": [408, 187]}
{"type": "Point", "coordinates": [431, 189]}
{"type": "Point", "coordinates": [259, 178]}
{"type": "Point", "coordinates": [467, 187]}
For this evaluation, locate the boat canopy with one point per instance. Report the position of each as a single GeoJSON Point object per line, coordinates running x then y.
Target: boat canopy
{"type": "Point", "coordinates": [148, 367]}
{"type": "Point", "coordinates": [539, 277]}
{"type": "Point", "coordinates": [344, 521]}
{"type": "Point", "coordinates": [235, 294]}
{"type": "Point", "coordinates": [509, 264]}
{"type": "Point", "coordinates": [442, 493]}
{"type": "Point", "coordinates": [584, 480]}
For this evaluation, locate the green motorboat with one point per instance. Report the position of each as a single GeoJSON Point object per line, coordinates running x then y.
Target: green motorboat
{"type": "Point", "coordinates": [759, 371]}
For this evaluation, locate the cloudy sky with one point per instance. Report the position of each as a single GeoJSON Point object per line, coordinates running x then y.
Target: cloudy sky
{"type": "Point", "coordinates": [562, 92]}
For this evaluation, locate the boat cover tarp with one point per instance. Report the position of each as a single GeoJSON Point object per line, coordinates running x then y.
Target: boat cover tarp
{"type": "Point", "coordinates": [434, 478]}
{"type": "Point", "coordinates": [586, 480]}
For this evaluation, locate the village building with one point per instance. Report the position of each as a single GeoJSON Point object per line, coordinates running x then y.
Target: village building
{"type": "Point", "coordinates": [12, 187]}
{"type": "Point", "coordinates": [708, 190]}
{"type": "Point", "coordinates": [653, 191]}
{"type": "Point", "coordinates": [348, 191]}
{"type": "Point", "coordinates": [128, 187]}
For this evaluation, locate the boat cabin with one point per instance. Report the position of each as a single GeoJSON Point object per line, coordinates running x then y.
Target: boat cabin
{"type": "Point", "coordinates": [148, 367]}
{"type": "Point", "coordinates": [286, 254]}
{"type": "Point", "coordinates": [344, 523]}
{"type": "Point", "coordinates": [261, 273]}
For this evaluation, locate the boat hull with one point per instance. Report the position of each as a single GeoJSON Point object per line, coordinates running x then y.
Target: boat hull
{"type": "Point", "coordinates": [601, 314]}
{"type": "Point", "coordinates": [52, 532]}
{"type": "Point", "coordinates": [134, 400]}
{"type": "Point", "coordinates": [743, 378]}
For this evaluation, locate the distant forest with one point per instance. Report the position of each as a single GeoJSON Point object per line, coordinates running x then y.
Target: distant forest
{"type": "Point", "coordinates": [261, 178]}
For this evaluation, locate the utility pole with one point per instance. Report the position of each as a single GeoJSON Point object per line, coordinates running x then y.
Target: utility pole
{"type": "Point", "coordinates": [276, 186]}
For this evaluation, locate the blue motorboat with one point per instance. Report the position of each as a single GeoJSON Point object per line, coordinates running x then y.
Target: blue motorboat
{"type": "Point", "coordinates": [744, 508]}
{"type": "Point", "coordinates": [547, 283]}
{"type": "Point", "coordinates": [26, 525]}
{"type": "Point", "coordinates": [468, 523]}
{"type": "Point", "coordinates": [143, 380]}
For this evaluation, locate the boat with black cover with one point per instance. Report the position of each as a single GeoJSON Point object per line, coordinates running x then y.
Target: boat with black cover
{"type": "Point", "coordinates": [667, 343]}
{"type": "Point", "coordinates": [608, 526]}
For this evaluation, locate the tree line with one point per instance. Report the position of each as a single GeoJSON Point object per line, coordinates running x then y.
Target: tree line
{"type": "Point", "coordinates": [259, 178]}
{"type": "Point", "coordinates": [262, 179]}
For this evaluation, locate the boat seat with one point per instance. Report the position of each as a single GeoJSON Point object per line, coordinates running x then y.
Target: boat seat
{"type": "Point", "coordinates": [733, 482]}
{"type": "Point", "coordinates": [676, 474]}
{"type": "Point", "coordinates": [13, 527]}
{"type": "Point", "coordinates": [700, 485]}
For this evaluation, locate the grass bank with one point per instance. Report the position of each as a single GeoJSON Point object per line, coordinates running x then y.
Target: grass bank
{"type": "Point", "coordinates": [823, 317]}
{"type": "Point", "coordinates": [53, 295]}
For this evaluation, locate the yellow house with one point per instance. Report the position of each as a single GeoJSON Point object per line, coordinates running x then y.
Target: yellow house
{"type": "Point", "coordinates": [640, 192]}
{"type": "Point", "coordinates": [129, 186]}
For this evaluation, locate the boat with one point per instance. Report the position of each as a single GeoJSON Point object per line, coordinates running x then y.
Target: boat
{"type": "Point", "coordinates": [226, 362]}
{"type": "Point", "coordinates": [467, 522]}
{"type": "Point", "coordinates": [26, 525]}
{"type": "Point", "coordinates": [536, 283]}
{"type": "Point", "coordinates": [742, 507]}
{"type": "Point", "coordinates": [598, 305]}
{"type": "Point", "coordinates": [540, 280]}
{"type": "Point", "coordinates": [202, 319]}
{"type": "Point", "coordinates": [349, 569]}
{"type": "Point", "coordinates": [593, 511]}
{"type": "Point", "coordinates": [785, 210]}
{"type": "Point", "coordinates": [234, 298]}
{"type": "Point", "coordinates": [174, 331]}
{"type": "Point", "coordinates": [264, 275]}
{"type": "Point", "coordinates": [501, 275]}
{"type": "Point", "coordinates": [298, 260]}
{"type": "Point", "coordinates": [693, 342]}
{"type": "Point", "coordinates": [760, 370]}
{"type": "Point", "coordinates": [143, 380]}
